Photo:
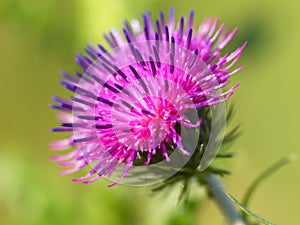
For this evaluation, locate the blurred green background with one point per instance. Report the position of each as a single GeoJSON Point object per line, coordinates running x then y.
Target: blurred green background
{"type": "Point", "coordinates": [38, 39]}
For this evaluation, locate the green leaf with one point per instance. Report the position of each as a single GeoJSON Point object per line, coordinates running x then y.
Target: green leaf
{"type": "Point", "coordinates": [247, 211]}
{"type": "Point", "coordinates": [272, 169]}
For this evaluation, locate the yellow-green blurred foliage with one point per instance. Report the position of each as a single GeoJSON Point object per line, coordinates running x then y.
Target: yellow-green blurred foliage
{"type": "Point", "coordinates": [38, 39]}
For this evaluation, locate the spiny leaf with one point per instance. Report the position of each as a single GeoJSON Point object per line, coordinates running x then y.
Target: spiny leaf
{"type": "Point", "coordinates": [233, 134]}
{"type": "Point", "coordinates": [247, 211]}
{"type": "Point", "coordinates": [183, 197]}
{"type": "Point", "coordinates": [219, 171]}
{"type": "Point", "coordinates": [225, 155]}
{"type": "Point", "coordinates": [230, 112]}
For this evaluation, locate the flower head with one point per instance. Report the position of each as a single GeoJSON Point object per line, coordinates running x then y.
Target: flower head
{"type": "Point", "coordinates": [130, 103]}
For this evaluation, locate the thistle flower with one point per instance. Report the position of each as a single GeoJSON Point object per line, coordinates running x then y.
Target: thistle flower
{"type": "Point", "coordinates": [132, 101]}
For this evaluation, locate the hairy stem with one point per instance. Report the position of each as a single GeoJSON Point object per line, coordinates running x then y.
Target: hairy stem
{"type": "Point", "coordinates": [217, 190]}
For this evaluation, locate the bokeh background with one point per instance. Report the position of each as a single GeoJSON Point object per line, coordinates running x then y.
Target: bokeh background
{"type": "Point", "coordinates": [38, 39]}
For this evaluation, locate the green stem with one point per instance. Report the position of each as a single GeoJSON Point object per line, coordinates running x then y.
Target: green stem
{"type": "Point", "coordinates": [217, 190]}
